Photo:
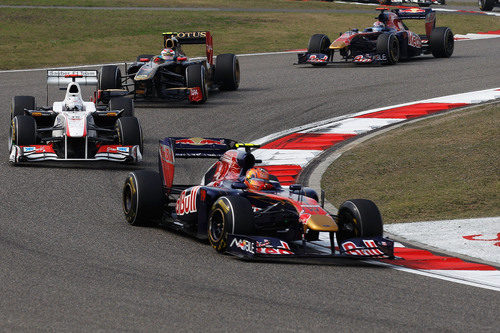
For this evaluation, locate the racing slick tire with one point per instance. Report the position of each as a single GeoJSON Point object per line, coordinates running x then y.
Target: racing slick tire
{"type": "Point", "coordinates": [144, 56]}
{"type": "Point", "coordinates": [229, 214]}
{"type": "Point", "coordinates": [227, 71]}
{"type": "Point", "coordinates": [358, 218]}
{"type": "Point", "coordinates": [19, 103]}
{"type": "Point", "coordinates": [388, 44]}
{"type": "Point", "coordinates": [442, 42]}
{"type": "Point", "coordinates": [142, 198]}
{"type": "Point", "coordinates": [318, 43]}
{"type": "Point", "coordinates": [110, 77]}
{"type": "Point", "coordinates": [122, 103]}
{"type": "Point", "coordinates": [129, 132]}
{"type": "Point", "coordinates": [196, 77]}
{"type": "Point", "coordinates": [486, 5]}
{"type": "Point", "coordinates": [22, 131]}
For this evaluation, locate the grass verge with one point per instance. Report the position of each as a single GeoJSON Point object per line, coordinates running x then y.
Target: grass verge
{"type": "Point", "coordinates": [55, 37]}
{"type": "Point", "coordinates": [444, 167]}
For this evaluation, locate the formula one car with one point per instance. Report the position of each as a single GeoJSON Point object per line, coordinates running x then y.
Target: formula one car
{"type": "Point", "coordinates": [244, 211]}
{"type": "Point", "coordinates": [420, 3]}
{"type": "Point", "coordinates": [487, 5]}
{"type": "Point", "coordinates": [387, 41]}
{"type": "Point", "coordinates": [171, 76]}
{"type": "Point", "coordinates": [74, 130]}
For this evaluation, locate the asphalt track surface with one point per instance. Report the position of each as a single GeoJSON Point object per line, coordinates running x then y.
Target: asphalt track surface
{"type": "Point", "coordinates": [70, 262]}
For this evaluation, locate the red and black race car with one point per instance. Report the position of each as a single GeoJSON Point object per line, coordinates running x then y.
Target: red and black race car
{"type": "Point", "coordinates": [387, 41]}
{"type": "Point", "coordinates": [171, 75]}
{"type": "Point", "coordinates": [244, 211]}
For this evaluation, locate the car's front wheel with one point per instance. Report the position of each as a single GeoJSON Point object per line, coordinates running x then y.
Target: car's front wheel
{"type": "Point", "coordinates": [358, 218]}
{"type": "Point", "coordinates": [229, 215]}
{"type": "Point", "coordinates": [129, 132]}
{"type": "Point", "coordinates": [196, 78]}
{"type": "Point", "coordinates": [442, 42]}
{"type": "Point", "coordinates": [388, 44]}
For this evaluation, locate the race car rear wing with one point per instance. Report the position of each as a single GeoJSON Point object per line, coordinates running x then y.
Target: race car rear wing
{"type": "Point", "coordinates": [414, 13]}
{"type": "Point", "coordinates": [62, 78]}
{"type": "Point", "coordinates": [185, 147]}
{"type": "Point", "coordinates": [193, 37]}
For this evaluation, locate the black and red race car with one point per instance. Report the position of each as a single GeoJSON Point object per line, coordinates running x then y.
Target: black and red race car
{"type": "Point", "coordinates": [244, 211]}
{"type": "Point", "coordinates": [387, 41]}
{"type": "Point", "coordinates": [171, 75]}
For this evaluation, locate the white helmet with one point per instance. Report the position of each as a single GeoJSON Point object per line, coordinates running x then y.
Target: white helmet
{"type": "Point", "coordinates": [73, 100]}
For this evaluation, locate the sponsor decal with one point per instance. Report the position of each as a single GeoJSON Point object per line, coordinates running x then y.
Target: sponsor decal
{"type": "Point", "coordinates": [265, 247]}
{"type": "Point", "coordinates": [123, 149]}
{"type": "Point", "coordinates": [370, 250]}
{"type": "Point", "coordinates": [199, 141]}
{"type": "Point", "coordinates": [315, 58]}
{"type": "Point", "coordinates": [194, 34]}
{"type": "Point", "coordinates": [369, 58]}
{"type": "Point", "coordinates": [195, 94]}
{"type": "Point", "coordinates": [414, 40]}
{"type": "Point", "coordinates": [243, 245]}
{"type": "Point", "coordinates": [186, 204]}
{"type": "Point", "coordinates": [28, 149]}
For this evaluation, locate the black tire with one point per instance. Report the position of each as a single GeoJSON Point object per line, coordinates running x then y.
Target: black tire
{"type": "Point", "coordinates": [122, 103]}
{"type": "Point", "coordinates": [23, 131]}
{"type": "Point", "coordinates": [142, 198]}
{"type": "Point", "coordinates": [110, 77]}
{"type": "Point", "coordinates": [19, 103]}
{"type": "Point", "coordinates": [486, 5]}
{"type": "Point", "coordinates": [318, 43]}
{"type": "Point", "coordinates": [388, 44]}
{"type": "Point", "coordinates": [142, 56]}
{"type": "Point", "coordinates": [231, 214]}
{"type": "Point", "coordinates": [358, 218]}
{"type": "Point", "coordinates": [442, 42]}
{"type": "Point", "coordinates": [196, 77]}
{"type": "Point", "coordinates": [423, 4]}
{"type": "Point", "coordinates": [129, 132]}
{"type": "Point", "coordinates": [227, 71]}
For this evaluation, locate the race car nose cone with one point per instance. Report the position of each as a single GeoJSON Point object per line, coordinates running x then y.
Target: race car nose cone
{"type": "Point", "coordinates": [321, 223]}
{"type": "Point", "coordinates": [337, 45]}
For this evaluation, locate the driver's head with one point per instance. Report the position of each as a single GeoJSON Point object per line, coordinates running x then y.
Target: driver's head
{"type": "Point", "coordinates": [172, 43]}
{"type": "Point", "coordinates": [167, 54]}
{"type": "Point", "coordinates": [257, 179]}
{"type": "Point", "coordinates": [378, 26]}
{"type": "Point", "coordinates": [74, 103]}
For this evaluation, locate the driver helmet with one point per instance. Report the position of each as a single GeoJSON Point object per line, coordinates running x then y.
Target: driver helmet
{"type": "Point", "coordinates": [257, 179]}
{"type": "Point", "coordinates": [74, 103]}
{"type": "Point", "coordinates": [167, 54]}
{"type": "Point", "coordinates": [378, 26]}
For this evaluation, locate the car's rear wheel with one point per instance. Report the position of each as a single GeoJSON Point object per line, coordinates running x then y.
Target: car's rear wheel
{"type": "Point", "coordinates": [142, 198]}
{"type": "Point", "coordinates": [227, 71]}
{"type": "Point", "coordinates": [196, 77]}
{"type": "Point", "coordinates": [486, 5]}
{"type": "Point", "coordinates": [442, 42]}
{"type": "Point", "coordinates": [19, 103]}
{"type": "Point", "coordinates": [22, 131]}
{"type": "Point", "coordinates": [358, 218]}
{"type": "Point", "coordinates": [129, 132]}
{"type": "Point", "coordinates": [110, 77]}
{"type": "Point", "coordinates": [229, 215]}
{"type": "Point", "coordinates": [122, 103]}
{"type": "Point", "coordinates": [388, 44]}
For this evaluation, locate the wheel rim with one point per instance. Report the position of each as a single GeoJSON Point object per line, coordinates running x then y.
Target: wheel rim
{"type": "Point", "coordinates": [216, 225]}
{"type": "Point", "coordinates": [127, 198]}
{"type": "Point", "coordinates": [348, 226]}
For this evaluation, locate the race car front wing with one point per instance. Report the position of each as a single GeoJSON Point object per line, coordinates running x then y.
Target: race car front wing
{"type": "Point", "coordinates": [39, 153]}
{"type": "Point", "coordinates": [259, 247]}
